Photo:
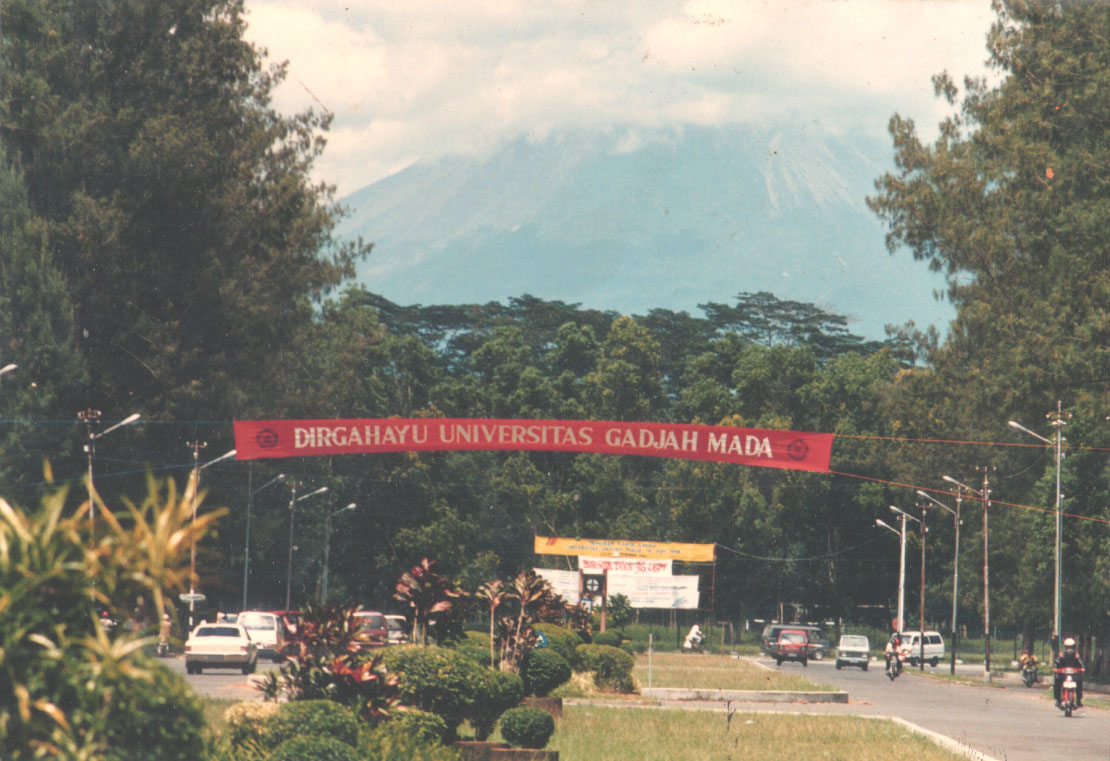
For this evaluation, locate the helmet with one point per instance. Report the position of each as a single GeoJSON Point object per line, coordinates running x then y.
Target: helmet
{"type": "Point", "coordinates": [1069, 645]}
{"type": "Point", "coordinates": [165, 616]}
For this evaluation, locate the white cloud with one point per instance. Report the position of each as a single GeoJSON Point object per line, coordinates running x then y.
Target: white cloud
{"type": "Point", "coordinates": [420, 79]}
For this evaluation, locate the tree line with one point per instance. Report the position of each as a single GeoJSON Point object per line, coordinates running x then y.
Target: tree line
{"type": "Point", "coordinates": [163, 250]}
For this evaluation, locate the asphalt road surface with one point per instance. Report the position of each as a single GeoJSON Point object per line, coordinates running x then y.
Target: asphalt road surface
{"type": "Point", "coordinates": [221, 683]}
{"type": "Point", "coordinates": [1009, 722]}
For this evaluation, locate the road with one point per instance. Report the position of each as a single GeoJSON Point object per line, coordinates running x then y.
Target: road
{"type": "Point", "coordinates": [224, 684]}
{"type": "Point", "coordinates": [1012, 722]}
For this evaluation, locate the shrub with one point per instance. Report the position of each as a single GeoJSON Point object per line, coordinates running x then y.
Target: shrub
{"type": "Point", "coordinates": [246, 721]}
{"type": "Point", "coordinates": [611, 639]}
{"type": "Point", "coordinates": [162, 718]}
{"type": "Point", "coordinates": [422, 725]}
{"type": "Point", "coordinates": [479, 654]}
{"type": "Point", "coordinates": [314, 748]}
{"type": "Point", "coordinates": [392, 741]}
{"type": "Point", "coordinates": [526, 727]}
{"type": "Point", "coordinates": [562, 640]}
{"type": "Point", "coordinates": [322, 718]}
{"type": "Point", "coordinates": [611, 667]}
{"type": "Point", "coordinates": [505, 690]}
{"type": "Point", "coordinates": [440, 680]}
{"type": "Point", "coordinates": [544, 670]}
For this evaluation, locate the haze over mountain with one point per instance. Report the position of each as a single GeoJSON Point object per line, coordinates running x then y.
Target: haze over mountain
{"type": "Point", "coordinates": [631, 222]}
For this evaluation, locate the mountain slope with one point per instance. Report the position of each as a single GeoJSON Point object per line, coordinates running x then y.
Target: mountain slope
{"type": "Point", "coordinates": [616, 223]}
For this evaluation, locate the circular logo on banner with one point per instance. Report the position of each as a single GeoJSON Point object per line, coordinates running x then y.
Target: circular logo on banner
{"type": "Point", "coordinates": [593, 585]}
{"type": "Point", "coordinates": [267, 438]}
{"type": "Point", "coordinates": [797, 449]}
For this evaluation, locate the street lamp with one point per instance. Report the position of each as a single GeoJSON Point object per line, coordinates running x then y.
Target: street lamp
{"type": "Point", "coordinates": [984, 495]}
{"type": "Point", "coordinates": [901, 569]}
{"type": "Point", "coordinates": [1056, 441]}
{"type": "Point", "coordinates": [247, 541]}
{"type": "Point", "coordinates": [293, 500]}
{"type": "Point", "coordinates": [327, 548]}
{"type": "Point", "coordinates": [921, 601]}
{"type": "Point", "coordinates": [89, 417]}
{"type": "Point", "coordinates": [193, 597]}
{"type": "Point", "coordinates": [955, 566]}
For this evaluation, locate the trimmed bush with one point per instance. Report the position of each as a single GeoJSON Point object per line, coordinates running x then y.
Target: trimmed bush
{"type": "Point", "coordinates": [422, 725]}
{"type": "Point", "coordinates": [611, 667]}
{"type": "Point", "coordinates": [314, 748]}
{"type": "Point", "coordinates": [480, 654]}
{"type": "Point", "coordinates": [246, 721]}
{"type": "Point", "coordinates": [440, 680]}
{"type": "Point", "coordinates": [506, 690]}
{"type": "Point", "coordinates": [322, 718]}
{"type": "Point", "coordinates": [544, 670]}
{"type": "Point", "coordinates": [561, 640]}
{"type": "Point", "coordinates": [160, 718]}
{"type": "Point", "coordinates": [611, 639]}
{"type": "Point", "coordinates": [526, 727]}
{"type": "Point", "coordinates": [392, 741]}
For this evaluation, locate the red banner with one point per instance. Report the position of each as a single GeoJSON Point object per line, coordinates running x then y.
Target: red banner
{"type": "Point", "coordinates": [259, 439]}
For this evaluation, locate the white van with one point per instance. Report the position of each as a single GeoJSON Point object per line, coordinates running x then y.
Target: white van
{"type": "Point", "coordinates": [934, 647]}
{"type": "Point", "coordinates": [266, 630]}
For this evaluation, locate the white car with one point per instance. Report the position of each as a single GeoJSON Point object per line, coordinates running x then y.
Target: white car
{"type": "Point", "coordinates": [266, 630]}
{"type": "Point", "coordinates": [934, 647]}
{"type": "Point", "coordinates": [398, 629]}
{"type": "Point", "coordinates": [220, 646]}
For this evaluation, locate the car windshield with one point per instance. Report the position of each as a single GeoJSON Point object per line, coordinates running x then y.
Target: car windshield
{"type": "Point", "coordinates": [218, 631]}
{"type": "Point", "coordinates": [791, 637]}
{"type": "Point", "coordinates": [395, 625]}
{"type": "Point", "coordinates": [853, 641]}
{"type": "Point", "coordinates": [257, 620]}
{"type": "Point", "coordinates": [372, 621]}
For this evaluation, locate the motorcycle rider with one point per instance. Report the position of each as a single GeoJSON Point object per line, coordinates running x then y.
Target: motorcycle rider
{"type": "Point", "coordinates": [893, 645]}
{"type": "Point", "coordinates": [693, 638]}
{"type": "Point", "coordinates": [1068, 658]}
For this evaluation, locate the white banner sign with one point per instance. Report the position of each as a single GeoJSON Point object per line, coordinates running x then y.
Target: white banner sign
{"type": "Point", "coordinates": [637, 566]}
{"type": "Point", "coordinates": [642, 591]}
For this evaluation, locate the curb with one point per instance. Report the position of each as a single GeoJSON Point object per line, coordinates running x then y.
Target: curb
{"type": "Point", "coordinates": [743, 696]}
{"type": "Point", "coordinates": [942, 740]}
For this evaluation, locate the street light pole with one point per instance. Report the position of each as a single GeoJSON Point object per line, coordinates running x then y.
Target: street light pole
{"type": "Point", "coordinates": [247, 541]}
{"type": "Point", "coordinates": [921, 597]}
{"type": "Point", "coordinates": [196, 446]}
{"type": "Point", "coordinates": [1057, 422]}
{"type": "Point", "coordinates": [90, 417]}
{"type": "Point", "coordinates": [901, 569]}
{"type": "Point", "coordinates": [984, 496]}
{"type": "Point", "coordinates": [293, 500]}
{"type": "Point", "coordinates": [955, 567]}
{"type": "Point", "coordinates": [327, 548]}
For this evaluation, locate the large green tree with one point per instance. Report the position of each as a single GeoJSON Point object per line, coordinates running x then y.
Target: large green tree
{"type": "Point", "coordinates": [173, 200]}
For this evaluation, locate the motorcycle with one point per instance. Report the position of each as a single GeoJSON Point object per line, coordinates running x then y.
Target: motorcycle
{"type": "Point", "coordinates": [1067, 689]}
{"type": "Point", "coordinates": [894, 668]}
{"type": "Point", "coordinates": [1029, 674]}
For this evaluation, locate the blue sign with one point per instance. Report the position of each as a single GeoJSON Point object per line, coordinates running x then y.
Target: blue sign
{"type": "Point", "coordinates": [541, 639]}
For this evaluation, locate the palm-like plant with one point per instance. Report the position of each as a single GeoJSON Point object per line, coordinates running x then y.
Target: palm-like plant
{"type": "Point", "coordinates": [494, 593]}
{"type": "Point", "coordinates": [516, 636]}
{"type": "Point", "coordinates": [427, 593]}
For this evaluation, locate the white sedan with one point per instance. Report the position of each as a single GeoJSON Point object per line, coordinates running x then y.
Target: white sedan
{"type": "Point", "coordinates": [220, 645]}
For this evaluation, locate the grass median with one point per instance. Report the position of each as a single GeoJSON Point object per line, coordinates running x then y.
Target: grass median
{"type": "Point", "coordinates": [598, 733]}
{"type": "Point", "coordinates": [720, 672]}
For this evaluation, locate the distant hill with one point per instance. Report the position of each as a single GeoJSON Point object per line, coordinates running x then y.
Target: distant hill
{"type": "Point", "coordinates": [614, 224]}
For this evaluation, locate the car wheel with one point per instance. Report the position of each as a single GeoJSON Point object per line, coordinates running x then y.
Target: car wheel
{"type": "Point", "coordinates": [198, 669]}
{"type": "Point", "coordinates": [864, 667]}
{"type": "Point", "coordinates": [805, 662]}
{"type": "Point", "coordinates": [778, 661]}
{"type": "Point", "coordinates": [188, 668]}
{"type": "Point", "coordinates": [933, 663]}
{"type": "Point", "coordinates": [818, 655]}
{"type": "Point", "coordinates": [249, 668]}
{"type": "Point", "coordinates": [913, 662]}
{"type": "Point", "coordinates": [839, 665]}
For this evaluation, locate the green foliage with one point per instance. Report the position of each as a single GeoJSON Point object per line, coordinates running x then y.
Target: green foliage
{"type": "Point", "coordinates": [505, 689]}
{"type": "Point", "coordinates": [619, 611]}
{"type": "Point", "coordinates": [313, 747]}
{"type": "Point", "coordinates": [562, 640]}
{"type": "Point", "coordinates": [421, 725]}
{"type": "Point", "coordinates": [246, 722]}
{"type": "Point", "coordinates": [440, 680]}
{"type": "Point", "coordinates": [318, 718]}
{"type": "Point", "coordinates": [323, 660]}
{"type": "Point", "coordinates": [429, 595]}
{"type": "Point", "coordinates": [396, 741]}
{"type": "Point", "coordinates": [611, 667]}
{"type": "Point", "coordinates": [526, 727]}
{"type": "Point", "coordinates": [610, 638]}
{"type": "Point", "coordinates": [544, 670]}
{"type": "Point", "coordinates": [68, 688]}
{"type": "Point", "coordinates": [157, 718]}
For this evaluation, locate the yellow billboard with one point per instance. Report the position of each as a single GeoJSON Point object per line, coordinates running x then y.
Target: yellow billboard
{"type": "Point", "coordinates": [625, 548]}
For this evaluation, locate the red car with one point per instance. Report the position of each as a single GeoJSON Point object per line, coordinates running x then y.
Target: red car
{"type": "Point", "coordinates": [792, 645]}
{"type": "Point", "coordinates": [373, 630]}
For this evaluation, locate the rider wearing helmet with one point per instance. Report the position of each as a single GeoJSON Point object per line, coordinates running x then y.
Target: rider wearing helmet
{"type": "Point", "coordinates": [893, 645]}
{"type": "Point", "coordinates": [1069, 657]}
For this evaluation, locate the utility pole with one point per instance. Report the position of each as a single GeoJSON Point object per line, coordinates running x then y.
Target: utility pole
{"type": "Point", "coordinates": [985, 494]}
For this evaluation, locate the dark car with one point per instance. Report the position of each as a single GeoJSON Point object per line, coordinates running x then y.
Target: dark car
{"type": "Point", "coordinates": [818, 643]}
{"type": "Point", "coordinates": [792, 645]}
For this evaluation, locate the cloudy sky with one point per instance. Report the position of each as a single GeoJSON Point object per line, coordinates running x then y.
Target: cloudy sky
{"type": "Point", "coordinates": [418, 79]}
